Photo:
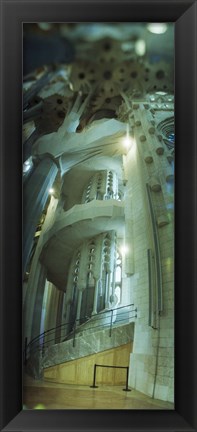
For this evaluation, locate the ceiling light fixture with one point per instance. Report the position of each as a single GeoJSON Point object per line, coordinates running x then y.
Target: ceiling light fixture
{"type": "Point", "coordinates": [140, 47]}
{"type": "Point", "coordinates": [161, 93]}
{"type": "Point", "coordinates": [44, 26]}
{"type": "Point", "coordinates": [27, 165]}
{"type": "Point", "coordinates": [157, 28]}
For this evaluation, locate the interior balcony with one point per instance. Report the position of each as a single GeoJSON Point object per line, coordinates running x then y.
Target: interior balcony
{"type": "Point", "coordinates": [108, 330]}
{"type": "Point", "coordinates": [71, 228]}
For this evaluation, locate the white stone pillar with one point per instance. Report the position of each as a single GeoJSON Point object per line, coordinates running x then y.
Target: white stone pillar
{"type": "Point", "coordinates": [36, 87]}
{"type": "Point", "coordinates": [107, 303]}
{"type": "Point", "coordinates": [94, 312]}
{"type": "Point", "coordinates": [37, 313]}
{"type": "Point", "coordinates": [79, 306]}
{"type": "Point", "coordinates": [35, 194]}
{"type": "Point", "coordinates": [33, 302]}
{"type": "Point", "coordinates": [113, 281]}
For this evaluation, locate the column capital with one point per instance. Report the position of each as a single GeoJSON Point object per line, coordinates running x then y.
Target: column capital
{"type": "Point", "coordinates": [39, 158]}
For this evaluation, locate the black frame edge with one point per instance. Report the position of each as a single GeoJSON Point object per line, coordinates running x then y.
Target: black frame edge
{"type": "Point", "coordinates": [184, 417]}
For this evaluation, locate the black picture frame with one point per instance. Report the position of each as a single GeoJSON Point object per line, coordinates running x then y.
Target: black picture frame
{"type": "Point", "coordinates": [183, 14]}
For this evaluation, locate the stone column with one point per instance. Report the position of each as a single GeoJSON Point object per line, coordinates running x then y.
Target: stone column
{"type": "Point", "coordinates": [65, 314]}
{"type": "Point", "coordinates": [28, 143]}
{"type": "Point", "coordinates": [37, 313]}
{"type": "Point", "coordinates": [33, 112]}
{"type": "Point", "coordinates": [33, 301]}
{"type": "Point", "coordinates": [59, 316]}
{"type": "Point", "coordinates": [79, 306]}
{"type": "Point", "coordinates": [112, 266]}
{"type": "Point", "coordinates": [35, 194]}
{"type": "Point", "coordinates": [94, 312]}
{"type": "Point", "coordinates": [37, 87]}
{"type": "Point", "coordinates": [113, 282]}
{"type": "Point", "coordinates": [51, 312]}
{"type": "Point", "coordinates": [108, 289]}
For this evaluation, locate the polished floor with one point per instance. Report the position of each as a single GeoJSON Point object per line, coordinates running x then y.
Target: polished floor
{"type": "Point", "coordinates": [50, 395]}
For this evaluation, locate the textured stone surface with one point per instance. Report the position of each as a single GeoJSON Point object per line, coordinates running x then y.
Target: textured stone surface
{"type": "Point", "coordinates": [150, 343]}
{"type": "Point", "coordinates": [87, 344]}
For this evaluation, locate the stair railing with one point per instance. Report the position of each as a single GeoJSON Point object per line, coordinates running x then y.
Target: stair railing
{"type": "Point", "coordinates": [43, 340]}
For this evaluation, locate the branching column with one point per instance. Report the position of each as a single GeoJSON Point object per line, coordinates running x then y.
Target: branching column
{"type": "Point", "coordinates": [35, 194]}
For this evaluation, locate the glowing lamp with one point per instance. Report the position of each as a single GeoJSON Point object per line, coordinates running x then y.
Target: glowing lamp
{"type": "Point", "coordinates": [140, 47]}
{"type": "Point", "coordinates": [157, 28]}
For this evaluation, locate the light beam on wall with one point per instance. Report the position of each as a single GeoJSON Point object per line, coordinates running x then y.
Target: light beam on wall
{"type": "Point", "coordinates": [124, 249]}
{"type": "Point", "coordinates": [128, 141]}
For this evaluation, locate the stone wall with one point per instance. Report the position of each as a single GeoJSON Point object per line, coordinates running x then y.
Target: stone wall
{"type": "Point", "coordinates": [152, 360]}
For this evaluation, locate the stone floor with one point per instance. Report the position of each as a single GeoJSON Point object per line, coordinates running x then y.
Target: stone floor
{"type": "Point", "coordinates": [50, 395]}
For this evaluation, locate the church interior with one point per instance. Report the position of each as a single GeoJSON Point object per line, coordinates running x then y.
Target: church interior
{"type": "Point", "coordinates": [98, 215]}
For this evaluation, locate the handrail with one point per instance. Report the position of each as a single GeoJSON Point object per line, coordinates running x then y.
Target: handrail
{"type": "Point", "coordinates": [39, 342]}
{"type": "Point", "coordinates": [71, 322]}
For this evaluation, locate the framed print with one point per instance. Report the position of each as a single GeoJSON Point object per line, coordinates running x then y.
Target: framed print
{"type": "Point", "coordinates": [98, 139]}
{"type": "Point", "coordinates": [98, 277]}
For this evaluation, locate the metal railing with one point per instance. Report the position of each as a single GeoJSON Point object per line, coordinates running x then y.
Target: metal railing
{"type": "Point", "coordinates": [106, 319]}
